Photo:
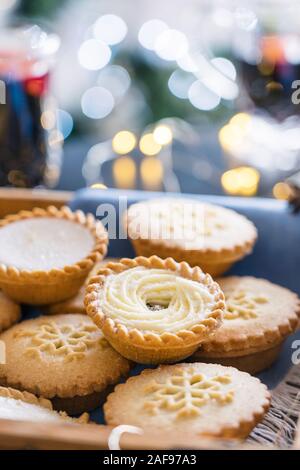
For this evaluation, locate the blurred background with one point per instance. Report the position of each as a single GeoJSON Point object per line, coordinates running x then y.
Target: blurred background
{"type": "Point", "coordinates": [192, 96]}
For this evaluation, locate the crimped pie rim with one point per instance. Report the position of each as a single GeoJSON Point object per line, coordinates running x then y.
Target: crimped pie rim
{"type": "Point", "coordinates": [182, 338]}
{"type": "Point", "coordinates": [266, 339]}
{"type": "Point", "coordinates": [10, 273]}
{"type": "Point", "coordinates": [226, 431]}
{"type": "Point", "coordinates": [209, 255]}
{"type": "Point", "coordinates": [30, 398]}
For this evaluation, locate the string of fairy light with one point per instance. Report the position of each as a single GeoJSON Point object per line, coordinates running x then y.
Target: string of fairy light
{"type": "Point", "coordinates": [204, 83]}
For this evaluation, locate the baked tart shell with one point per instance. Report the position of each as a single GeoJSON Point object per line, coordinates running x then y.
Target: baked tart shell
{"type": "Point", "coordinates": [149, 347]}
{"type": "Point", "coordinates": [57, 284]}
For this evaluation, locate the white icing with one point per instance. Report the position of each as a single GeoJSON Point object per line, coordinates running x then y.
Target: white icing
{"type": "Point", "coordinates": [22, 411]}
{"type": "Point", "coordinates": [44, 243]}
{"type": "Point", "coordinates": [126, 296]}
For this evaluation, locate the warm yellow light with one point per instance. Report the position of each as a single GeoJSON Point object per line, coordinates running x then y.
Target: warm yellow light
{"type": "Point", "coordinates": [123, 142]}
{"type": "Point", "coordinates": [242, 120]}
{"type": "Point", "coordinates": [282, 191]}
{"type": "Point", "coordinates": [98, 186]}
{"type": "Point", "coordinates": [232, 134]}
{"type": "Point", "coordinates": [242, 181]}
{"type": "Point", "coordinates": [124, 172]}
{"type": "Point", "coordinates": [48, 120]}
{"type": "Point", "coordinates": [148, 145]}
{"type": "Point", "coordinates": [163, 135]}
{"type": "Point", "coordinates": [151, 172]}
{"type": "Point", "coordinates": [55, 138]}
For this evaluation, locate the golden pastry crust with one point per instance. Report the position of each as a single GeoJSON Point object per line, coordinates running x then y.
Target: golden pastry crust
{"type": "Point", "coordinates": [259, 316]}
{"type": "Point", "coordinates": [76, 304]}
{"type": "Point", "coordinates": [222, 236]}
{"type": "Point", "coordinates": [201, 399]}
{"type": "Point", "coordinates": [149, 346]}
{"type": "Point", "coordinates": [60, 356]}
{"type": "Point", "coordinates": [10, 312]}
{"type": "Point", "coordinates": [43, 287]}
{"type": "Point", "coordinates": [26, 397]}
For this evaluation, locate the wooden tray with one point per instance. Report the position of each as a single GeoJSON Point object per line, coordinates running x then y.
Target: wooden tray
{"type": "Point", "coordinates": [21, 435]}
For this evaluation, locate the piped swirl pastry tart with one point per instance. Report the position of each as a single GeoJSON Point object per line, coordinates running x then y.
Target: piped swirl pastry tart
{"type": "Point", "coordinates": [46, 254]}
{"type": "Point", "coordinates": [24, 406]}
{"type": "Point", "coordinates": [201, 234]}
{"type": "Point", "coordinates": [259, 316]}
{"type": "Point", "coordinates": [153, 310]}
{"type": "Point", "coordinates": [64, 358]}
{"type": "Point", "coordinates": [196, 399]}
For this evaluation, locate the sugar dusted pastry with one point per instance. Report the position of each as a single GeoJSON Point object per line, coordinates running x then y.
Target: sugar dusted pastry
{"type": "Point", "coordinates": [153, 310]}
{"type": "Point", "coordinates": [196, 399]}
{"type": "Point", "coordinates": [259, 316]}
{"type": "Point", "coordinates": [64, 358]}
{"type": "Point", "coordinates": [46, 254]}
{"type": "Point", "coordinates": [24, 406]}
{"type": "Point", "coordinates": [201, 234]}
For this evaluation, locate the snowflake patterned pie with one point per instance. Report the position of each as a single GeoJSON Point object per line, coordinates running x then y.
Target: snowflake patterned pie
{"type": "Point", "coordinates": [197, 399]}
{"type": "Point", "coordinates": [201, 234]}
{"type": "Point", "coordinates": [259, 316]}
{"type": "Point", "coordinates": [46, 254]}
{"type": "Point", "coordinates": [24, 406]}
{"type": "Point", "coordinates": [153, 310]}
{"type": "Point", "coordinates": [64, 358]}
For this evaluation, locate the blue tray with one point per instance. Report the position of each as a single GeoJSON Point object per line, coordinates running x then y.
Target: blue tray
{"type": "Point", "coordinates": [276, 255]}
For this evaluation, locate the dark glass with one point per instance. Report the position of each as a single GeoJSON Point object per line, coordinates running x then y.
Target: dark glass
{"type": "Point", "coordinates": [24, 71]}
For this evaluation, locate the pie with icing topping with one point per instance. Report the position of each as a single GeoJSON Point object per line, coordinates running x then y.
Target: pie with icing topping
{"type": "Point", "coordinates": [197, 399]}
{"type": "Point", "coordinates": [46, 254]}
{"type": "Point", "coordinates": [202, 234]}
{"type": "Point", "coordinates": [64, 358]}
{"type": "Point", "coordinates": [153, 310]}
{"type": "Point", "coordinates": [24, 406]}
{"type": "Point", "coordinates": [259, 316]}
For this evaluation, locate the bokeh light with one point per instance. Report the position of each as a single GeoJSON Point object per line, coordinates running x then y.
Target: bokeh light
{"type": "Point", "coordinates": [124, 172]}
{"type": "Point", "coordinates": [48, 119]}
{"type": "Point", "coordinates": [111, 29]}
{"type": "Point", "coordinates": [203, 98]}
{"type": "Point", "coordinates": [171, 45]}
{"type": "Point", "coordinates": [241, 181]}
{"type": "Point", "coordinates": [187, 63]}
{"type": "Point", "coordinates": [282, 191]}
{"type": "Point", "coordinates": [163, 134]}
{"type": "Point", "coordinates": [225, 66]}
{"type": "Point", "coordinates": [97, 102]}
{"type": "Point", "coordinates": [115, 79]}
{"type": "Point", "coordinates": [98, 186]}
{"type": "Point", "coordinates": [150, 31]}
{"type": "Point", "coordinates": [64, 122]}
{"type": "Point", "coordinates": [148, 145]}
{"type": "Point", "coordinates": [179, 83]}
{"type": "Point", "coordinates": [123, 142]}
{"type": "Point", "coordinates": [151, 173]}
{"type": "Point", "coordinates": [94, 54]}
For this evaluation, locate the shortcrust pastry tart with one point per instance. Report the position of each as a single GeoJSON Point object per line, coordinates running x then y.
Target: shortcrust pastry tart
{"type": "Point", "coordinates": [153, 310]}
{"type": "Point", "coordinates": [10, 312]}
{"type": "Point", "coordinates": [76, 303]}
{"type": "Point", "coordinates": [202, 234]}
{"type": "Point", "coordinates": [24, 406]}
{"type": "Point", "coordinates": [64, 358]}
{"type": "Point", "coordinates": [46, 254]}
{"type": "Point", "coordinates": [196, 399]}
{"type": "Point", "coordinates": [259, 316]}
